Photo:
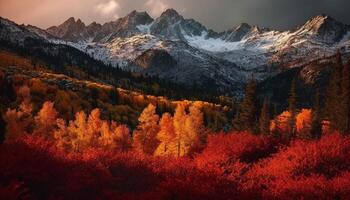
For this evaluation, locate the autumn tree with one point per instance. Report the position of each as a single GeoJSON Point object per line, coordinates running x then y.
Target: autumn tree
{"type": "Point", "coordinates": [145, 136]}
{"type": "Point", "coordinates": [77, 132]}
{"type": "Point", "coordinates": [264, 120]}
{"type": "Point", "coordinates": [94, 127]}
{"type": "Point", "coordinates": [303, 122]}
{"type": "Point", "coordinates": [246, 118]}
{"type": "Point", "coordinates": [196, 135]}
{"type": "Point", "coordinates": [166, 136]}
{"type": "Point", "coordinates": [105, 139]}
{"type": "Point", "coordinates": [179, 122]}
{"type": "Point", "coordinates": [122, 138]}
{"type": "Point", "coordinates": [19, 121]}
{"type": "Point", "coordinates": [45, 120]}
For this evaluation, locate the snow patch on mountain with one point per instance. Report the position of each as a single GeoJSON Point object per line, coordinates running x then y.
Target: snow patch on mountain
{"type": "Point", "coordinates": [212, 44]}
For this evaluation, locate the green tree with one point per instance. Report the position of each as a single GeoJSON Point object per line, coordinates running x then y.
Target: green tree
{"type": "Point", "coordinates": [246, 117]}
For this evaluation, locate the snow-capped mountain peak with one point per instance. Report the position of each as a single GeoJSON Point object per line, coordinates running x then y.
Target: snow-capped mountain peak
{"type": "Point", "coordinates": [325, 28]}
{"type": "Point", "coordinates": [192, 52]}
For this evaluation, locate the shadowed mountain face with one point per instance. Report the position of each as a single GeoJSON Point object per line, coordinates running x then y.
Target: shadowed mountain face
{"type": "Point", "coordinates": [186, 52]}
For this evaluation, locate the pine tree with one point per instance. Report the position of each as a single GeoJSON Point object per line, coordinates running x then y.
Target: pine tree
{"type": "Point", "coordinates": [246, 118]}
{"type": "Point", "coordinates": [333, 102]}
{"type": "Point", "coordinates": [145, 137]}
{"type": "Point", "coordinates": [292, 108]}
{"type": "Point", "coordinates": [316, 124]}
{"type": "Point", "coordinates": [264, 121]}
{"type": "Point", "coordinates": [344, 123]}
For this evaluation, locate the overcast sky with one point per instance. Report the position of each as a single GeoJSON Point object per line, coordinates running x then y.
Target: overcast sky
{"type": "Point", "coordinates": [216, 14]}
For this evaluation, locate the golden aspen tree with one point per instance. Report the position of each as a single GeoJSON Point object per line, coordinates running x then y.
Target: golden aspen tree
{"type": "Point", "coordinates": [122, 138]}
{"type": "Point", "coordinates": [61, 135]}
{"type": "Point", "coordinates": [106, 138]}
{"type": "Point", "coordinates": [77, 129]}
{"type": "Point", "coordinates": [145, 137]}
{"type": "Point", "coordinates": [19, 121]}
{"type": "Point", "coordinates": [94, 125]}
{"type": "Point", "coordinates": [166, 136]}
{"type": "Point", "coordinates": [45, 121]}
{"type": "Point", "coordinates": [303, 123]}
{"type": "Point", "coordinates": [180, 132]}
{"type": "Point", "coordinates": [197, 118]}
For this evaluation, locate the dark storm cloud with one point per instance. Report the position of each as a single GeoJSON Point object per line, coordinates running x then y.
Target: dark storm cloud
{"type": "Point", "coordinates": [216, 14]}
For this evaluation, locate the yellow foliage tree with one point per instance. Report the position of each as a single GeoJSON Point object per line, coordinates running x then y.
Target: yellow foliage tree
{"type": "Point", "coordinates": [166, 136]}
{"type": "Point", "coordinates": [45, 120]}
{"type": "Point", "coordinates": [180, 132]}
{"type": "Point", "coordinates": [77, 130]}
{"type": "Point", "coordinates": [19, 121]}
{"type": "Point", "coordinates": [122, 138]}
{"type": "Point", "coordinates": [145, 137]}
{"type": "Point", "coordinates": [303, 123]}
{"type": "Point", "coordinates": [94, 127]}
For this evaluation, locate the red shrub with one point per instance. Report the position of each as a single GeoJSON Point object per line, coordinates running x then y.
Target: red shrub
{"type": "Point", "coordinates": [304, 169]}
{"type": "Point", "coordinates": [231, 154]}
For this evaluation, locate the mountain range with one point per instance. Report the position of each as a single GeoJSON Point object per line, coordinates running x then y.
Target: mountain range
{"type": "Point", "coordinates": [186, 52]}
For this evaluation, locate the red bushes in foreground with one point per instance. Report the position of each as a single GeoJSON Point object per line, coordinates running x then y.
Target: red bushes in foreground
{"type": "Point", "coordinates": [231, 154]}
{"type": "Point", "coordinates": [306, 169]}
{"type": "Point", "coordinates": [233, 166]}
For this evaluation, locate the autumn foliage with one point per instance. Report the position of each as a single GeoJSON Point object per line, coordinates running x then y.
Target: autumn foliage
{"type": "Point", "coordinates": [167, 156]}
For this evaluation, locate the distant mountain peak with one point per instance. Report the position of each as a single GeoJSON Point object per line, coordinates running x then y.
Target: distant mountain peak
{"type": "Point", "coordinates": [171, 13]}
{"type": "Point", "coordinates": [326, 27]}
{"type": "Point", "coordinates": [243, 26]}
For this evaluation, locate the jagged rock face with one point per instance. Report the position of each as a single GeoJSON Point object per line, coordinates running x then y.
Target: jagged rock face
{"type": "Point", "coordinates": [69, 30]}
{"type": "Point", "coordinates": [10, 32]}
{"type": "Point", "coordinates": [127, 26]}
{"type": "Point", "coordinates": [237, 34]}
{"type": "Point", "coordinates": [173, 26]}
{"type": "Point", "coordinates": [326, 28]}
{"type": "Point", "coordinates": [76, 31]}
{"type": "Point", "coordinates": [155, 58]}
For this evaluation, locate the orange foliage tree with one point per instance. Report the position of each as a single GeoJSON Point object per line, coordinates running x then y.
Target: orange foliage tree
{"type": "Point", "coordinates": [303, 123]}
{"type": "Point", "coordinates": [166, 136]}
{"type": "Point", "coordinates": [19, 121]}
{"type": "Point", "coordinates": [145, 136]}
{"type": "Point", "coordinates": [45, 120]}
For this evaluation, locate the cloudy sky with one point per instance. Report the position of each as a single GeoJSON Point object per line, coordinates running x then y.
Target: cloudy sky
{"type": "Point", "coordinates": [216, 14]}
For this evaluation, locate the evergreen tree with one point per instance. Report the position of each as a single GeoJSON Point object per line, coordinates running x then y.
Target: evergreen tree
{"type": "Point", "coordinates": [316, 124]}
{"type": "Point", "coordinates": [344, 123]}
{"type": "Point", "coordinates": [292, 101]}
{"type": "Point", "coordinates": [333, 102]}
{"type": "Point", "coordinates": [264, 121]}
{"type": "Point", "coordinates": [246, 117]}
{"type": "Point", "coordinates": [114, 96]}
